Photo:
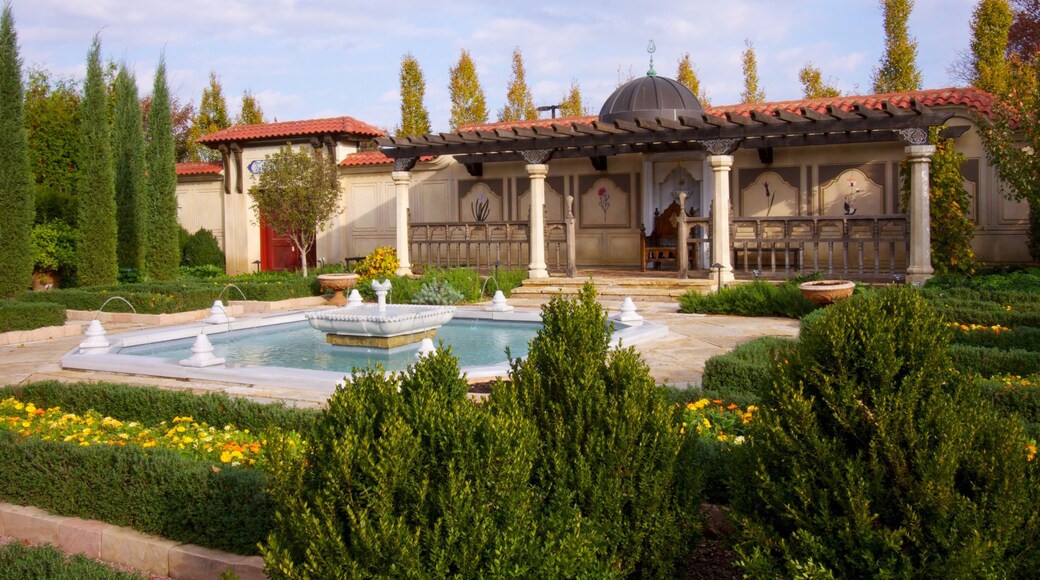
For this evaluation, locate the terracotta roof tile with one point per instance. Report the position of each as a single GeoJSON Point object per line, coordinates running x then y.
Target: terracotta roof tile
{"type": "Point", "coordinates": [292, 129]}
{"type": "Point", "coordinates": [200, 168]}
{"type": "Point", "coordinates": [976, 99]}
{"type": "Point", "coordinates": [362, 158]}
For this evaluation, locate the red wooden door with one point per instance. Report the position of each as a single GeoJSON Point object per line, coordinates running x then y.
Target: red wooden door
{"type": "Point", "coordinates": [279, 253]}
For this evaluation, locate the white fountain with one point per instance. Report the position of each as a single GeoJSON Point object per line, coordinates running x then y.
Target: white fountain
{"type": "Point", "coordinates": [380, 325]}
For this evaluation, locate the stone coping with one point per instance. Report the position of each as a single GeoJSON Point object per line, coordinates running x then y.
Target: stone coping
{"type": "Point", "coordinates": [125, 546]}
{"type": "Point", "coordinates": [290, 378]}
{"type": "Point", "coordinates": [42, 333]}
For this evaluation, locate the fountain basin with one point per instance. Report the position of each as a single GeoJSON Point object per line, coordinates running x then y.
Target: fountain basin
{"type": "Point", "coordinates": [337, 283]}
{"type": "Point", "coordinates": [388, 328]}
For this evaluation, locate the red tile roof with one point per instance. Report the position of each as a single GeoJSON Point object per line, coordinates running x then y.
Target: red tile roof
{"type": "Point", "coordinates": [200, 168]}
{"type": "Point", "coordinates": [976, 99]}
{"type": "Point", "coordinates": [362, 158]}
{"type": "Point", "coordinates": [292, 129]}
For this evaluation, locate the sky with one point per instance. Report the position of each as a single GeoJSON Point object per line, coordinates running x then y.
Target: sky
{"type": "Point", "coordinates": [307, 59]}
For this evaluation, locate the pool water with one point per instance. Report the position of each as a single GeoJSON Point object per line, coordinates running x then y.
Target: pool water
{"type": "Point", "coordinates": [297, 345]}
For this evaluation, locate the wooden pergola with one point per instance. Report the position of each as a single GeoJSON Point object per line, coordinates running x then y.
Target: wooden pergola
{"type": "Point", "coordinates": [719, 135]}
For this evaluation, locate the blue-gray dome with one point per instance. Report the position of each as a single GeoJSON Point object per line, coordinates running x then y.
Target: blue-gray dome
{"type": "Point", "coordinates": [650, 97]}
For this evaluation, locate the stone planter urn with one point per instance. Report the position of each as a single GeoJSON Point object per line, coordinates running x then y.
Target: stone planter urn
{"type": "Point", "coordinates": [824, 292]}
{"type": "Point", "coordinates": [338, 283]}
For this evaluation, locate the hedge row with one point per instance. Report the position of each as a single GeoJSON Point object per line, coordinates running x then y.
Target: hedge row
{"type": "Point", "coordinates": [987, 314]}
{"type": "Point", "coordinates": [1017, 400]}
{"type": "Point", "coordinates": [18, 561]}
{"type": "Point", "coordinates": [165, 298]}
{"type": "Point", "coordinates": [759, 298]}
{"type": "Point", "coordinates": [27, 316]}
{"type": "Point", "coordinates": [740, 375]}
{"type": "Point", "coordinates": [151, 406]}
{"type": "Point", "coordinates": [151, 490]}
{"type": "Point", "coordinates": [1023, 337]}
{"type": "Point", "coordinates": [985, 362]}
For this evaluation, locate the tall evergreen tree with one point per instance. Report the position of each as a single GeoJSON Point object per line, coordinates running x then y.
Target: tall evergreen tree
{"type": "Point", "coordinates": [519, 102]}
{"type": "Point", "coordinates": [813, 86]}
{"type": "Point", "coordinates": [687, 76]}
{"type": "Point", "coordinates": [898, 69]}
{"type": "Point", "coordinates": [96, 250]}
{"type": "Point", "coordinates": [250, 113]}
{"type": "Point", "coordinates": [415, 119]}
{"type": "Point", "coordinates": [128, 149]}
{"type": "Point", "coordinates": [16, 194]}
{"type": "Point", "coordinates": [52, 108]}
{"type": "Point", "coordinates": [752, 93]}
{"type": "Point", "coordinates": [571, 104]}
{"type": "Point", "coordinates": [163, 251]}
{"type": "Point", "coordinates": [468, 104]}
{"type": "Point", "coordinates": [212, 116]}
{"type": "Point", "coordinates": [990, 25]}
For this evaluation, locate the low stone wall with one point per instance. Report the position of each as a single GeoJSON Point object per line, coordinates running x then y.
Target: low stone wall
{"type": "Point", "coordinates": [38, 334]}
{"type": "Point", "coordinates": [125, 546]}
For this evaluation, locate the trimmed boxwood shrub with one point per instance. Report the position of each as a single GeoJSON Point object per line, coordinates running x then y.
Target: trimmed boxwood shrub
{"type": "Point", "coordinates": [1010, 398]}
{"type": "Point", "coordinates": [569, 470]}
{"type": "Point", "coordinates": [986, 362]}
{"type": "Point", "coordinates": [151, 406]}
{"type": "Point", "coordinates": [151, 490]}
{"type": "Point", "coordinates": [989, 313]}
{"type": "Point", "coordinates": [741, 375]}
{"type": "Point", "coordinates": [16, 315]}
{"type": "Point", "coordinates": [202, 249]}
{"type": "Point", "coordinates": [871, 457]}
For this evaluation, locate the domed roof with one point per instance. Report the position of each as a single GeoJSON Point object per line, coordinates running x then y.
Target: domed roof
{"type": "Point", "coordinates": [649, 97]}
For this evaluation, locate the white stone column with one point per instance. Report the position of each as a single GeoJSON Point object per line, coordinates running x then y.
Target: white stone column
{"type": "Point", "coordinates": [536, 230]}
{"type": "Point", "coordinates": [402, 181]}
{"type": "Point", "coordinates": [720, 250]}
{"type": "Point", "coordinates": [919, 267]}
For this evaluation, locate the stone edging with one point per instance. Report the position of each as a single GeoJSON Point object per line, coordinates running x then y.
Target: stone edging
{"type": "Point", "coordinates": [42, 333]}
{"type": "Point", "coordinates": [125, 546]}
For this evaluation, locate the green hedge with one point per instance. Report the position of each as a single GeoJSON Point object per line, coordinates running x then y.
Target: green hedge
{"type": "Point", "coordinates": [988, 313]}
{"type": "Point", "coordinates": [169, 297]}
{"type": "Point", "coordinates": [27, 316]}
{"type": "Point", "coordinates": [1015, 400]}
{"type": "Point", "coordinates": [985, 362]}
{"type": "Point", "coordinates": [151, 490]}
{"type": "Point", "coordinates": [741, 375]}
{"type": "Point", "coordinates": [1023, 337]}
{"type": "Point", "coordinates": [151, 406]}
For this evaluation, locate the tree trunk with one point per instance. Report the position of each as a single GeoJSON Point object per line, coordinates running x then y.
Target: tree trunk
{"type": "Point", "coordinates": [303, 259]}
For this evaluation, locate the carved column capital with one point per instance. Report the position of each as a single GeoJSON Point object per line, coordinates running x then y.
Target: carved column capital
{"type": "Point", "coordinates": [913, 136]}
{"type": "Point", "coordinates": [405, 163]}
{"type": "Point", "coordinates": [537, 156]}
{"type": "Point", "coordinates": [721, 146]}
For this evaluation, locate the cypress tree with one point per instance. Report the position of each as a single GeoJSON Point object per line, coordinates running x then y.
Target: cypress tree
{"type": "Point", "coordinates": [468, 104]}
{"type": "Point", "coordinates": [687, 76]}
{"type": "Point", "coordinates": [251, 113]}
{"type": "Point", "coordinates": [519, 102]}
{"type": "Point", "coordinates": [163, 251]}
{"type": "Point", "coordinates": [990, 25]}
{"type": "Point", "coordinates": [128, 148]}
{"type": "Point", "coordinates": [752, 93]}
{"type": "Point", "coordinates": [16, 194]}
{"type": "Point", "coordinates": [813, 86]}
{"type": "Point", "coordinates": [415, 119]}
{"type": "Point", "coordinates": [96, 192]}
{"type": "Point", "coordinates": [898, 70]}
{"type": "Point", "coordinates": [571, 104]}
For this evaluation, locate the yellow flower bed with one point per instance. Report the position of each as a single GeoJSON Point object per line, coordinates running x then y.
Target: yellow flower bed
{"type": "Point", "coordinates": [227, 445]}
{"type": "Point", "coordinates": [716, 421]}
{"type": "Point", "coordinates": [995, 329]}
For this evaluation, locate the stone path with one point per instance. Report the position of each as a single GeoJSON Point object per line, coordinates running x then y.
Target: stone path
{"type": "Point", "coordinates": [677, 359]}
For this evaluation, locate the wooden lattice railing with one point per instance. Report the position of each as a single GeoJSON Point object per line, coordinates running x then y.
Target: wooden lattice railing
{"type": "Point", "coordinates": [483, 245]}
